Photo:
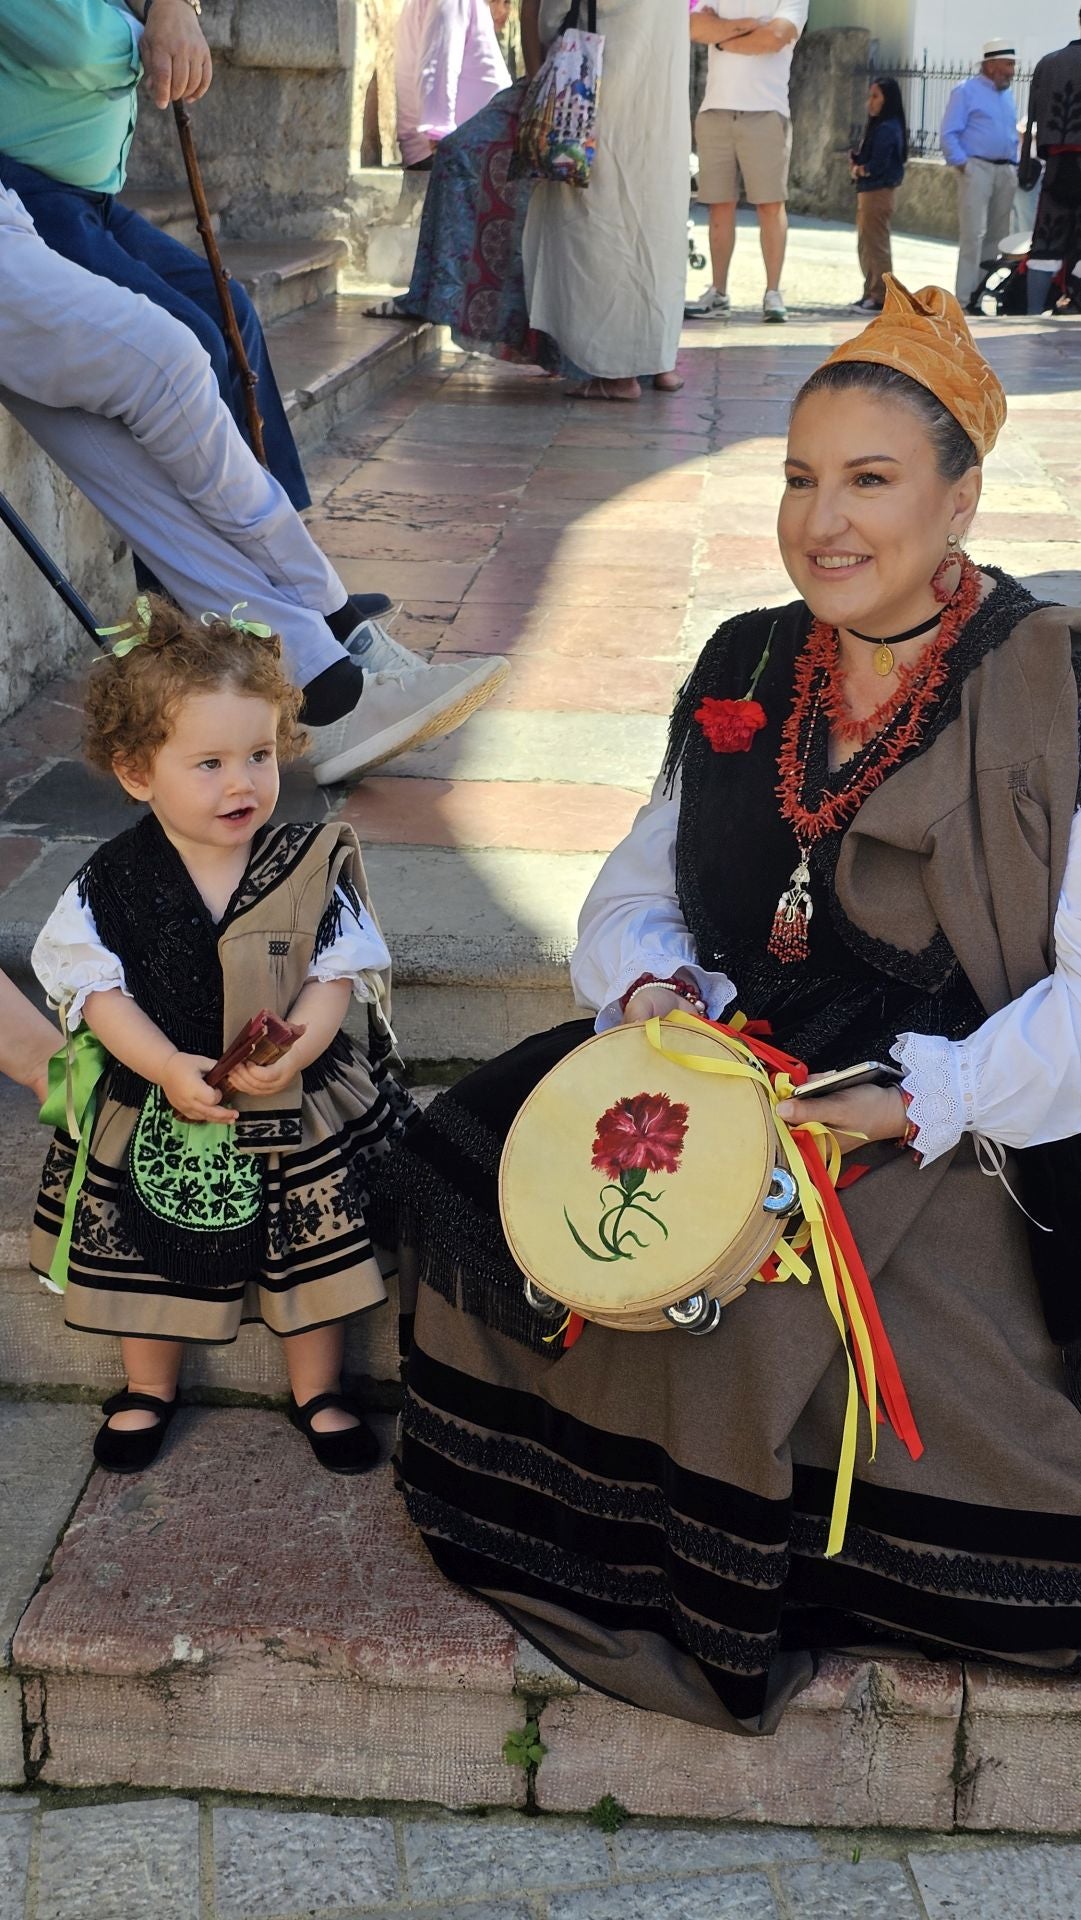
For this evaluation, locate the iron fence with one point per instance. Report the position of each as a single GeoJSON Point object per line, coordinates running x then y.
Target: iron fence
{"type": "Point", "coordinates": [925, 90]}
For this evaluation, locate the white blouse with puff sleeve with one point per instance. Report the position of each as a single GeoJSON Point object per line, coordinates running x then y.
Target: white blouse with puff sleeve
{"type": "Point", "coordinates": [71, 962]}
{"type": "Point", "coordinates": [1016, 1080]}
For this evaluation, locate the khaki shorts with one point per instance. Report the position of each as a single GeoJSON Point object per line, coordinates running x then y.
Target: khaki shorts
{"type": "Point", "coordinates": [757, 146]}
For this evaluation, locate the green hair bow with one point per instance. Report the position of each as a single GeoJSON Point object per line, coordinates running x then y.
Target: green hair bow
{"type": "Point", "coordinates": [136, 630]}
{"type": "Point", "coordinates": [254, 627]}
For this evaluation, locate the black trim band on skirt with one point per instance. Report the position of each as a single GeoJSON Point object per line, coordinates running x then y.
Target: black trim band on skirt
{"type": "Point", "coordinates": [515, 1496]}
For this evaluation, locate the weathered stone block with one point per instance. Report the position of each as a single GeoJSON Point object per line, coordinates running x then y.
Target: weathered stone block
{"type": "Point", "coordinates": [237, 1619]}
{"type": "Point", "coordinates": [139, 1860]}
{"type": "Point", "coordinates": [1039, 1882]}
{"type": "Point", "coordinates": [36, 1349]}
{"type": "Point", "coordinates": [448, 1861]}
{"type": "Point", "coordinates": [11, 1731]}
{"type": "Point", "coordinates": [15, 1832]}
{"type": "Point", "coordinates": [311, 35]}
{"type": "Point", "coordinates": [867, 1744]}
{"type": "Point", "coordinates": [37, 634]}
{"type": "Point", "coordinates": [310, 1863]}
{"type": "Point", "coordinates": [1021, 1752]}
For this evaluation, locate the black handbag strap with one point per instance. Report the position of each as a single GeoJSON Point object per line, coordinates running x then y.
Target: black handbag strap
{"type": "Point", "coordinates": [573, 12]}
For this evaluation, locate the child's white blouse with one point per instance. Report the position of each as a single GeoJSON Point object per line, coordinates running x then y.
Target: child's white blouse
{"type": "Point", "coordinates": [1016, 1080]}
{"type": "Point", "coordinates": [71, 961]}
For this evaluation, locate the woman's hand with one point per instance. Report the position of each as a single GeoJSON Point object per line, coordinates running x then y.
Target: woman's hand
{"type": "Point", "coordinates": [649, 1000]}
{"type": "Point", "coordinates": [184, 1087]}
{"type": "Point", "coordinates": [856, 1115]}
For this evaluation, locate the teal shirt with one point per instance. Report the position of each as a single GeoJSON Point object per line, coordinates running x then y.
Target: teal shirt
{"type": "Point", "coordinates": [69, 70]}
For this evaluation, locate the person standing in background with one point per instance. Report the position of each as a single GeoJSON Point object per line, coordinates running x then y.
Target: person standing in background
{"type": "Point", "coordinates": [744, 130]}
{"type": "Point", "coordinates": [447, 67]}
{"type": "Point", "coordinates": [1054, 108]}
{"type": "Point", "coordinates": [979, 140]}
{"type": "Point", "coordinates": [878, 169]}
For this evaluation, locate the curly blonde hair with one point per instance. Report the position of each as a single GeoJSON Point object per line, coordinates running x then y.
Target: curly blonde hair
{"type": "Point", "coordinates": [132, 700]}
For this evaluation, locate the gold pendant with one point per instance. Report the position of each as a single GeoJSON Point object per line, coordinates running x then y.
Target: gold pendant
{"type": "Point", "coordinates": [883, 659]}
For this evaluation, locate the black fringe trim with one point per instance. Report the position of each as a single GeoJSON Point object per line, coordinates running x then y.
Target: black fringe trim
{"type": "Point", "coordinates": [330, 926]}
{"type": "Point", "coordinates": [213, 1261]}
{"type": "Point", "coordinates": [461, 1253]}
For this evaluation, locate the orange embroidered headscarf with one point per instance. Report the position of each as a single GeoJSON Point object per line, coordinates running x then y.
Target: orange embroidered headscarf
{"type": "Point", "coordinates": [926, 336]}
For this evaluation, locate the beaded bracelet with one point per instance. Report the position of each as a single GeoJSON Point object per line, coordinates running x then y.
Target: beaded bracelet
{"type": "Point", "coordinates": [682, 987]}
{"type": "Point", "coordinates": [911, 1133]}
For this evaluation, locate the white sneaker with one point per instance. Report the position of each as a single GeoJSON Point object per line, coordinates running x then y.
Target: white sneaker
{"type": "Point", "coordinates": [711, 305]}
{"type": "Point", "coordinates": [372, 647]}
{"type": "Point", "coordinates": [773, 306]}
{"type": "Point", "coordinates": [402, 709]}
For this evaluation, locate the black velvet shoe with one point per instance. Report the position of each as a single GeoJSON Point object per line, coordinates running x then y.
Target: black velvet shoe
{"type": "Point", "coordinates": [353, 1450]}
{"type": "Point", "coordinates": [120, 1451]}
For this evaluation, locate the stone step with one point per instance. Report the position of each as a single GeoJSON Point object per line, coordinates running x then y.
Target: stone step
{"type": "Point", "coordinates": [331, 358]}
{"type": "Point", "coordinates": [285, 276]}
{"type": "Point", "coordinates": [170, 208]}
{"type": "Point", "coordinates": [237, 1620]}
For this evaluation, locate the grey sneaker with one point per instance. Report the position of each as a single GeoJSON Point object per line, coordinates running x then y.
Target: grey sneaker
{"type": "Point", "coordinates": [372, 647]}
{"type": "Point", "coordinates": [400, 709]}
{"type": "Point", "coordinates": [773, 306]}
{"type": "Point", "coordinates": [710, 306]}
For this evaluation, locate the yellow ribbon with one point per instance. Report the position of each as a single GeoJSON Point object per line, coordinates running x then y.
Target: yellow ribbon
{"type": "Point", "coordinates": [833, 1272]}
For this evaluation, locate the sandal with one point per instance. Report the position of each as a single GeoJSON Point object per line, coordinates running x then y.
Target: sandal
{"type": "Point", "coordinates": [132, 1449]}
{"type": "Point", "coordinates": [668, 383]}
{"type": "Point", "coordinates": [350, 1449]}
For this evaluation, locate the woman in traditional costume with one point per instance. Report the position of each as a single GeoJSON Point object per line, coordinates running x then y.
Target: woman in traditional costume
{"type": "Point", "coordinates": [865, 836]}
{"type": "Point", "coordinates": [167, 1212]}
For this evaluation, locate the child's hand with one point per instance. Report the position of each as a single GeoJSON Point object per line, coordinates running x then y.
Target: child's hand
{"type": "Point", "coordinates": [263, 1080]}
{"type": "Point", "coordinates": [185, 1089]}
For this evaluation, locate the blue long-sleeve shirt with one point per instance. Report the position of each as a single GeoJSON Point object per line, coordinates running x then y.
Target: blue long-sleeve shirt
{"type": "Point", "coordinates": [882, 153]}
{"type": "Point", "coordinates": [980, 122]}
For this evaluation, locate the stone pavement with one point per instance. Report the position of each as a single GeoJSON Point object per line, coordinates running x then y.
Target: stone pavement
{"type": "Point", "coordinates": [598, 546]}
{"type": "Point", "coordinates": [177, 1859]}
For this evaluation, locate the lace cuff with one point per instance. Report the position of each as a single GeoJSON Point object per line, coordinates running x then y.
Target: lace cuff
{"type": "Point", "coordinates": [938, 1079]}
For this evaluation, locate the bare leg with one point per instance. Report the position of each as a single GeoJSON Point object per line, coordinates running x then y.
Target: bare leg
{"type": "Point", "coordinates": [773, 234]}
{"type": "Point", "coordinates": [722, 241]}
{"type": "Point", "coordinates": [151, 1367]}
{"type": "Point", "coordinates": [314, 1363]}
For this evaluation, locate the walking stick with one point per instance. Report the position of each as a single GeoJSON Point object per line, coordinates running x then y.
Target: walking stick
{"type": "Point", "coordinates": [221, 277]}
{"type": "Point", "coordinates": [47, 565]}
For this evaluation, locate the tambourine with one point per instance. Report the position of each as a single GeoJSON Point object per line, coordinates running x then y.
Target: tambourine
{"type": "Point", "coordinates": [639, 1192]}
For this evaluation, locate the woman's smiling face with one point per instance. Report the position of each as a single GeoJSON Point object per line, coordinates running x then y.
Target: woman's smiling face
{"type": "Point", "coordinates": [865, 514]}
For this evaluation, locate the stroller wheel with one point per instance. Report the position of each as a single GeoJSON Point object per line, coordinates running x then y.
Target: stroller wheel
{"type": "Point", "coordinates": [698, 261]}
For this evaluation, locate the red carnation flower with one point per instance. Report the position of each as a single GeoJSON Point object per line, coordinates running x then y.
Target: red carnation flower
{"type": "Point", "coordinates": [642, 1134]}
{"type": "Point", "coordinates": [730, 725]}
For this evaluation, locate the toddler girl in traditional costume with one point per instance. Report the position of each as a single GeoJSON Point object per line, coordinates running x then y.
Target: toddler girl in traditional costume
{"type": "Point", "coordinates": [180, 1211]}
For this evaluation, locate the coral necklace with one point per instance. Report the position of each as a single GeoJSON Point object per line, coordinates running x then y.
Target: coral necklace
{"type": "Point", "coordinates": [898, 724]}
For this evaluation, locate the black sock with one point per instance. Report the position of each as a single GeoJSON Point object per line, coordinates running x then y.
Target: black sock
{"type": "Point", "coordinates": [358, 608]}
{"type": "Point", "coordinates": [332, 693]}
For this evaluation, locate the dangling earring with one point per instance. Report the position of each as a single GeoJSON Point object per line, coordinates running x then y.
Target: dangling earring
{"type": "Point", "coordinates": [941, 591]}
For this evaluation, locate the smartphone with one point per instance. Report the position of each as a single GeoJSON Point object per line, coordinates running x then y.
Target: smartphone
{"type": "Point", "coordinates": [864, 1074]}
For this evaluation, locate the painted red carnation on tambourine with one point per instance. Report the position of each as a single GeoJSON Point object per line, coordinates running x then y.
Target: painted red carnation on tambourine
{"type": "Point", "coordinates": [639, 1135]}
{"type": "Point", "coordinates": [730, 725]}
{"type": "Point", "coordinates": [644, 1132]}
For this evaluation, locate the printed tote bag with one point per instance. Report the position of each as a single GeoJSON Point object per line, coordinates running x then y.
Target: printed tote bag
{"type": "Point", "coordinates": [557, 127]}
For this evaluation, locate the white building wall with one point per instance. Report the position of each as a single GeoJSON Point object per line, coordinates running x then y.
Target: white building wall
{"type": "Point", "coordinates": [952, 31]}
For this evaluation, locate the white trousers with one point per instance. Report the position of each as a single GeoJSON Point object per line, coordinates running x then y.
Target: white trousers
{"type": "Point", "coordinates": [121, 396]}
{"type": "Point", "coordinates": [984, 211]}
